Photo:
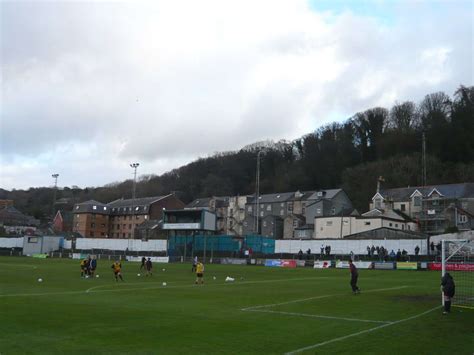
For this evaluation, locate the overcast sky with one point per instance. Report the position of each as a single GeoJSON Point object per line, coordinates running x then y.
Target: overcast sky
{"type": "Point", "coordinates": [89, 87]}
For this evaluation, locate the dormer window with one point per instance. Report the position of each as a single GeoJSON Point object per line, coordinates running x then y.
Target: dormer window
{"type": "Point", "coordinates": [417, 201]}
{"type": "Point", "coordinates": [94, 207]}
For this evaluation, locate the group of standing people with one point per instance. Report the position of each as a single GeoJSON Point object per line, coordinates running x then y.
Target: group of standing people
{"type": "Point", "coordinates": [147, 265]}
{"type": "Point", "coordinates": [88, 267]}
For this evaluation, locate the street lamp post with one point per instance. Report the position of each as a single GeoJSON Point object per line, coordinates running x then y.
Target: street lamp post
{"type": "Point", "coordinates": [55, 177]}
{"type": "Point", "coordinates": [134, 166]}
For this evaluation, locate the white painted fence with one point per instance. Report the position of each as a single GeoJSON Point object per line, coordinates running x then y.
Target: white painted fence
{"type": "Point", "coordinates": [345, 246]}
{"type": "Point", "coordinates": [11, 242]}
{"type": "Point", "coordinates": [120, 244]}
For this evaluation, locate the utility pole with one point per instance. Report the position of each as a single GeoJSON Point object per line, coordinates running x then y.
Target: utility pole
{"type": "Point", "coordinates": [55, 177]}
{"type": "Point", "coordinates": [423, 157]}
{"type": "Point", "coordinates": [257, 192]}
{"type": "Point", "coordinates": [134, 166]}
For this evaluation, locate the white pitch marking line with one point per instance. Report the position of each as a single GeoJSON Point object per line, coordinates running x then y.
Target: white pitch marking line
{"type": "Point", "coordinates": [95, 290]}
{"type": "Point", "coordinates": [359, 333]}
{"type": "Point", "coordinates": [317, 297]}
{"type": "Point", "coordinates": [320, 316]}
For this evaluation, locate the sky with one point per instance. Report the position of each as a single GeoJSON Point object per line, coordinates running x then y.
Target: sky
{"type": "Point", "coordinates": [89, 87]}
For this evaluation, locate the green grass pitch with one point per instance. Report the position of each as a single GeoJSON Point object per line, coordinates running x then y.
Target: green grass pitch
{"type": "Point", "coordinates": [265, 311]}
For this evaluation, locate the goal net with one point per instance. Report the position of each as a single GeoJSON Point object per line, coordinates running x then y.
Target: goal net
{"type": "Point", "coordinates": [457, 258]}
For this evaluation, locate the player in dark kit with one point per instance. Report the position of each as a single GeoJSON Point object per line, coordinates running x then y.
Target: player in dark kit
{"type": "Point", "coordinates": [354, 277]}
{"type": "Point", "coordinates": [448, 287]}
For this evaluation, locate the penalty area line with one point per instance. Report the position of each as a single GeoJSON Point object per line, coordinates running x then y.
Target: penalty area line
{"type": "Point", "coordinates": [310, 347]}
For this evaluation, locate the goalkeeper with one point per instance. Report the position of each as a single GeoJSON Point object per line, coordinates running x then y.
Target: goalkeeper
{"type": "Point", "coordinates": [448, 287]}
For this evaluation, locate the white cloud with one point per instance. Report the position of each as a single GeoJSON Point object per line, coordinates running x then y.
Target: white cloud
{"type": "Point", "coordinates": [93, 86]}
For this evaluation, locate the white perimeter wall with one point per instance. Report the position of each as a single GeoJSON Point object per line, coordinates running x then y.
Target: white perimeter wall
{"type": "Point", "coordinates": [119, 244]}
{"type": "Point", "coordinates": [11, 242]}
{"type": "Point", "coordinates": [346, 246]}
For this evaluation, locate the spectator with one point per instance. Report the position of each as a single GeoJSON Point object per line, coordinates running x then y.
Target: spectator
{"type": "Point", "coordinates": [300, 255]}
{"type": "Point", "coordinates": [417, 250]}
{"type": "Point", "coordinates": [438, 248]}
{"type": "Point", "coordinates": [432, 248]}
{"type": "Point", "coordinates": [351, 255]}
{"type": "Point", "coordinates": [392, 254]}
{"type": "Point", "coordinates": [322, 250]}
{"type": "Point", "coordinates": [328, 250]}
{"type": "Point", "coordinates": [368, 250]}
{"type": "Point", "coordinates": [308, 253]}
{"type": "Point", "coordinates": [377, 249]}
{"type": "Point", "coordinates": [399, 255]}
{"type": "Point", "coordinates": [404, 254]}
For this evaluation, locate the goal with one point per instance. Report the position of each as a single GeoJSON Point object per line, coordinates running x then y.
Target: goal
{"type": "Point", "coordinates": [457, 258]}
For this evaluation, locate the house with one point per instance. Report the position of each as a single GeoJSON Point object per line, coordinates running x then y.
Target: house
{"type": "Point", "coordinates": [15, 222]}
{"type": "Point", "coordinates": [434, 207]}
{"type": "Point", "coordinates": [236, 215]}
{"type": "Point", "coordinates": [295, 209]}
{"type": "Point", "coordinates": [348, 223]}
{"type": "Point", "coordinates": [120, 218]}
{"type": "Point", "coordinates": [62, 221]}
{"type": "Point", "coordinates": [276, 204]}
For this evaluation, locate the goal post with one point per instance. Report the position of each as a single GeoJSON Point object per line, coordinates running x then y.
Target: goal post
{"type": "Point", "coordinates": [457, 258]}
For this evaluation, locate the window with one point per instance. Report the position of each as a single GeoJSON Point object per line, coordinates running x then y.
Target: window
{"type": "Point", "coordinates": [146, 217]}
{"type": "Point", "coordinates": [77, 207]}
{"type": "Point", "coordinates": [137, 208]}
{"type": "Point", "coordinates": [264, 223]}
{"type": "Point", "coordinates": [403, 227]}
{"type": "Point", "coordinates": [378, 203]}
{"type": "Point", "coordinates": [77, 225]}
{"type": "Point", "coordinates": [396, 225]}
{"type": "Point", "coordinates": [462, 218]}
{"type": "Point", "coordinates": [417, 201]}
{"type": "Point", "coordinates": [269, 207]}
{"type": "Point", "coordinates": [32, 239]}
{"type": "Point", "coordinates": [262, 206]}
{"type": "Point", "coordinates": [94, 207]}
{"type": "Point", "coordinates": [328, 223]}
{"type": "Point", "coordinates": [245, 224]}
{"type": "Point", "coordinates": [295, 223]}
{"type": "Point", "coordinates": [130, 226]}
{"type": "Point", "coordinates": [249, 208]}
{"type": "Point", "coordinates": [92, 225]}
{"type": "Point", "coordinates": [137, 217]}
{"type": "Point", "coordinates": [367, 223]}
{"type": "Point", "coordinates": [231, 212]}
{"type": "Point", "coordinates": [318, 210]}
{"type": "Point", "coordinates": [91, 234]}
{"type": "Point", "coordinates": [77, 215]}
{"type": "Point", "coordinates": [102, 225]}
{"type": "Point", "coordinates": [282, 204]}
{"type": "Point", "coordinates": [231, 224]}
{"type": "Point", "coordinates": [290, 206]}
{"type": "Point", "coordinates": [390, 224]}
{"type": "Point", "coordinates": [402, 207]}
{"type": "Point", "coordinates": [123, 235]}
{"type": "Point", "coordinates": [333, 210]}
{"type": "Point", "coordinates": [102, 234]}
{"type": "Point", "coordinates": [105, 208]}
{"type": "Point", "coordinates": [282, 212]}
{"type": "Point", "coordinates": [261, 213]}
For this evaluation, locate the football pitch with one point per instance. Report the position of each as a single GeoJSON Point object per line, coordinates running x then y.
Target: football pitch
{"type": "Point", "coordinates": [264, 311]}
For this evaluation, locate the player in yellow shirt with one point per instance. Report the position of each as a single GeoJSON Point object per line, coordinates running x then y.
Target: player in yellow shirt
{"type": "Point", "coordinates": [117, 267]}
{"type": "Point", "coordinates": [199, 273]}
{"type": "Point", "coordinates": [83, 267]}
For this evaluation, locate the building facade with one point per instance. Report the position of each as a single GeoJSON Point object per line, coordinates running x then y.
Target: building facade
{"type": "Point", "coordinates": [120, 218]}
{"type": "Point", "coordinates": [435, 208]}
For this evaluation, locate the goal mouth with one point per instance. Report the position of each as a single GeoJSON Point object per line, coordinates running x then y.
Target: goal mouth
{"type": "Point", "coordinates": [457, 259]}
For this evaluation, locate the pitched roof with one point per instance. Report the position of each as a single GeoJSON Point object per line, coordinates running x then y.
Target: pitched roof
{"type": "Point", "coordinates": [273, 198]}
{"type": "Point", "coordinates": [220, 201]}
{"type": "Point", "coordinates": [464, 190]}
{"type": "Point", "coordinates": [142, 201]}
